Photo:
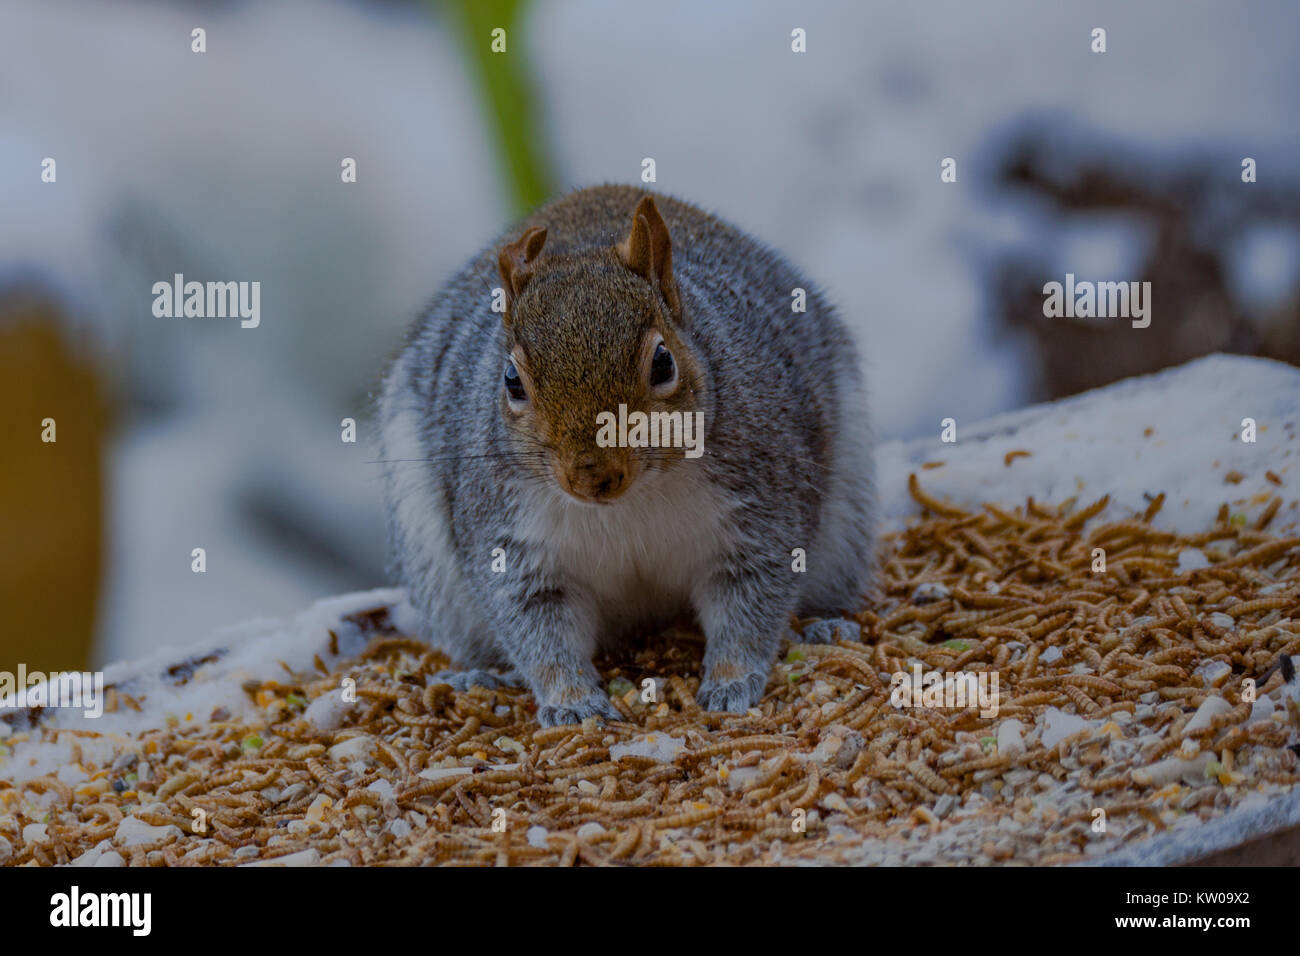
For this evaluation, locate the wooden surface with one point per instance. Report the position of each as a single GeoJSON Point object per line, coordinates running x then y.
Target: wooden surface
{"type": "Point", "coordinates": [1275, 849]}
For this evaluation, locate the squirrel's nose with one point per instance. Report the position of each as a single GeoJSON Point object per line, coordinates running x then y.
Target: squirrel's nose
{"type": "Point", "coordinates": [592, 478]}
{"type": "Point", "coordinates": [608, 484]}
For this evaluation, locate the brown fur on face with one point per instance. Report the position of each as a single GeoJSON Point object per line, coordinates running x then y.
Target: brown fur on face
{"type": "Point", "coordinates": [552, 300]}
{"type": "Point", "coordinates": [552, 342]}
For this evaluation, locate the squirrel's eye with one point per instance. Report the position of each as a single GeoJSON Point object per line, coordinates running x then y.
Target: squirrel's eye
{"type": "Point", "coordinates": [662, 368]}
{"type": "Point", "coordinates": [514, 385]}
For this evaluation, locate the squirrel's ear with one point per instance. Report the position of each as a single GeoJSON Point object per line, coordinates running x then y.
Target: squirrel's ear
{"type": "Point", "coordinates": [648, 251]}
{"type": "Point", "coordinates": [515, 260]}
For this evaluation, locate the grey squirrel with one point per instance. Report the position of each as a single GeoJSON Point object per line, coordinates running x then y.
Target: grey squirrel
{"type": "Point", "coordinates": [527, 539]}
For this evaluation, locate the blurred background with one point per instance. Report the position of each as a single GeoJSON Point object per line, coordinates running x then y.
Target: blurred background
{"type": "Point", "coordinates": [175, 434]}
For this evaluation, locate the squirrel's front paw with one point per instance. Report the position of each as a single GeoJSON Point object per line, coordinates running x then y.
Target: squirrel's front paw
{"type": "Point", "coordinates": [828, 630]}
{"type": "Point", "coordinates": [734, 696]}
{"type": "Point", "coordinates": [597, 705]}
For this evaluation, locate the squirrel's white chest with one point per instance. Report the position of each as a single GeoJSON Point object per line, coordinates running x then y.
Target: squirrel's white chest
{"type": "Point", "coordinates": [639, 558]}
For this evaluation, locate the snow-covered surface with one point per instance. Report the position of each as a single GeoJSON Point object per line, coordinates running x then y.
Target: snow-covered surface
{"type": "Point", "coordinates": [1088, 446]}
{"type": "Point", "coordinates": [1098, 444]}
{"type": "Point", "coordinates": [1255, 817]}
{"type": "Point", "coordinates": [258, 649]}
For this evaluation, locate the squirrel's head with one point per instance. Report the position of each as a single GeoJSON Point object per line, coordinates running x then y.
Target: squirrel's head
{"type": "Point", "coordinates": [586, 334]}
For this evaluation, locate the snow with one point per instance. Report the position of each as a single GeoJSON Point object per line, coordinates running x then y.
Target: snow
{"type": "Point", "coordinates": [659, 747]}
{"type": "Point", "coordinates": [256, 649]}
{"type": "Point", "coordinates": [399, 828]}
{"type": "Point", "coordinates": [1262, 266]}
{"type": "Point", "coordinates": [1191, 770]}
{"type": "Point", "coordinates": [354, 748]}
{"type": "Point", "coordinates": [1060, 725]}
{"type": "Point", "coordinates": [327, 712]}
{"type": "Point", "coordinates": [1009, 738]}
{"type": "Point", "coordinates": [589, 831]}
{"type": "Point", "coordinates": [101, 854]}
{"type": "Point", "coordinates": [134, 832]}
{"type": "Point", "coordinates": [1097, 444]}
{"type": "Point", "coordinates": [1098, 247]}
{"type": "Point", "coordinates": [1209, 709]}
